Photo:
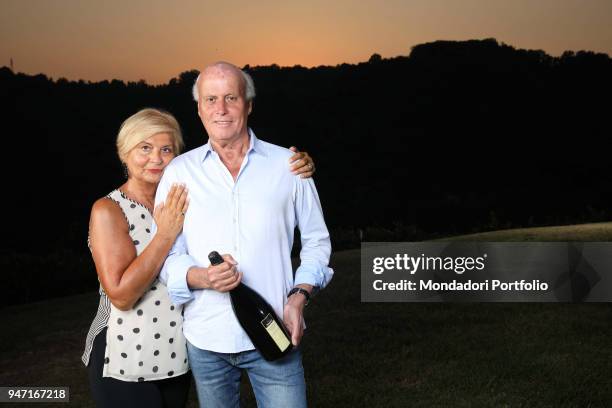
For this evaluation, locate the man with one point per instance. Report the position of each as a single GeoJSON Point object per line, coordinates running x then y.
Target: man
{"type": "Point", "coordinates": [244, 203]}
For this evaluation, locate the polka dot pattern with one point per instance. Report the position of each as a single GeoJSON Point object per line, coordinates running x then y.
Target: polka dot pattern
{"type": "Point", "coordinates": [136, 345]}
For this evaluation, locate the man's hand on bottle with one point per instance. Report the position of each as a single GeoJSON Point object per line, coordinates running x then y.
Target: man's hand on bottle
{"type": "Point", "coordinates": [222, 278]}
{"type": "Point", "coordinates": [293, 315]}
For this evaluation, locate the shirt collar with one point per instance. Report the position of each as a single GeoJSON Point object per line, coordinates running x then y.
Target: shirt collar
{"type": "Point", "coordinates": [255, 145]}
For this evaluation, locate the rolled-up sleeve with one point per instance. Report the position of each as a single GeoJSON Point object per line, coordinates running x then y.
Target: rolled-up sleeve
{"type": "Point", "coordinates": [316, 245]}
{"type": "Point", "coordinates": [174, 273]}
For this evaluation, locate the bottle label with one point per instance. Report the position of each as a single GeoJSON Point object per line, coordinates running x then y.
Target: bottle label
{"type": "Point", "coordinates": [275, 332]}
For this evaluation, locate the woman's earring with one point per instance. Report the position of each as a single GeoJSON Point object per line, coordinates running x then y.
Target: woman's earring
{"type": "Point", "coordinates": [126, 173]}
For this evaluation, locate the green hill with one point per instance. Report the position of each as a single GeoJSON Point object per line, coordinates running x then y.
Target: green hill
{"type": "Point", "coordinates": [582, 233]}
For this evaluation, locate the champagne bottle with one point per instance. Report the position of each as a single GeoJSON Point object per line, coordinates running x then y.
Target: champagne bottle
{"type": "Point", "coordinates": [258, 319]}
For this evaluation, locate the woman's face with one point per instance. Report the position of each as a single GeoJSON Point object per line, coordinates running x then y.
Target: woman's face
{"type": "Point", "coordinates": [146, 162]}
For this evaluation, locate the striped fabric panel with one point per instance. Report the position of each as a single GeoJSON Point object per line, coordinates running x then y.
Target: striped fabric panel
{"type": "Point", "coordinates": [98, 324]}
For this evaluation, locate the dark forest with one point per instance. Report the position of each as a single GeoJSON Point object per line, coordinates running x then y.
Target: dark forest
{"type": "Point", "coordinates": [456, 137]}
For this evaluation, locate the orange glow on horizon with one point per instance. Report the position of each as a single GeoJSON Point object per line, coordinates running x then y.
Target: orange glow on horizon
{"type": "Point", "coordinates": [154, 41]}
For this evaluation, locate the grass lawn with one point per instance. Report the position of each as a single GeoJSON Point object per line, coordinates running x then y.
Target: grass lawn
{"type": "Point", "coordinates": [595, 232]}
{"type": "Point", "coordinates": [382, 354]}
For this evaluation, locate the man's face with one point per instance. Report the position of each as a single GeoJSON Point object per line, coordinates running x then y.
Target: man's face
{"type": "Point", "coordinates": [222, 107]}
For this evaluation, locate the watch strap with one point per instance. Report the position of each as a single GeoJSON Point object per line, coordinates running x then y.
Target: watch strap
{"type": "Point", "coordinates": [302, 291]}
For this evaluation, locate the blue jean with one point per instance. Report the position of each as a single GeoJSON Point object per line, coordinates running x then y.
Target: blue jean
{"type": "Point", "coordinates": [276, 384]}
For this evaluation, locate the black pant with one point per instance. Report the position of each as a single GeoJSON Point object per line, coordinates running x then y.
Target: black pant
{"type": "Point", "coordinates": [113, 393]}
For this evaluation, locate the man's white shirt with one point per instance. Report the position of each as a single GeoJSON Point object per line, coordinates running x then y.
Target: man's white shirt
{"type": "Point", "coordinates": [252, 219]}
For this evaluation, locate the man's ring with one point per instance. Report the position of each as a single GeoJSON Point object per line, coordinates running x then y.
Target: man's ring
{"type": "Point", "coordinates": [310, 166]}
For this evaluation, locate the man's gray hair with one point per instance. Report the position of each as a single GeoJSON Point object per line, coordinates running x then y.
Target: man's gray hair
{"type": "Point", "coordinates": [248, 82]}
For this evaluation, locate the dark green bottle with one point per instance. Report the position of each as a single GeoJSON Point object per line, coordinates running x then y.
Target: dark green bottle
{"type": "Point", "coordinates": [258, 319]}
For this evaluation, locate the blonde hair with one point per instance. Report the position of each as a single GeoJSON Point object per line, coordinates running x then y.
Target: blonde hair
{"type": "Point", "coordinates": [144, 124]}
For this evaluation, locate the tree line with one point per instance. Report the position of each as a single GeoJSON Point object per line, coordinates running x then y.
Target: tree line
{"type": "Point", "coordinates": [455, 137]}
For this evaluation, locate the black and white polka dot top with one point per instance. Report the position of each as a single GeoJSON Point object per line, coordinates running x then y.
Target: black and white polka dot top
{"type": "Point", "coordinates": [146, 342]}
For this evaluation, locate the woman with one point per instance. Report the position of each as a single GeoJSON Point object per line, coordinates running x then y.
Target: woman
{"type": "Point", "coordinates": [135, 349]}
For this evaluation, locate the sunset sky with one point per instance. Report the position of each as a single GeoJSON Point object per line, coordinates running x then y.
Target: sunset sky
{"type": "Point", "coordinates": [155, 40]}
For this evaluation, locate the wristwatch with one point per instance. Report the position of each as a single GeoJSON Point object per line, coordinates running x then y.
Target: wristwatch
{"type": "Point", "coordinates": [302, 291]}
